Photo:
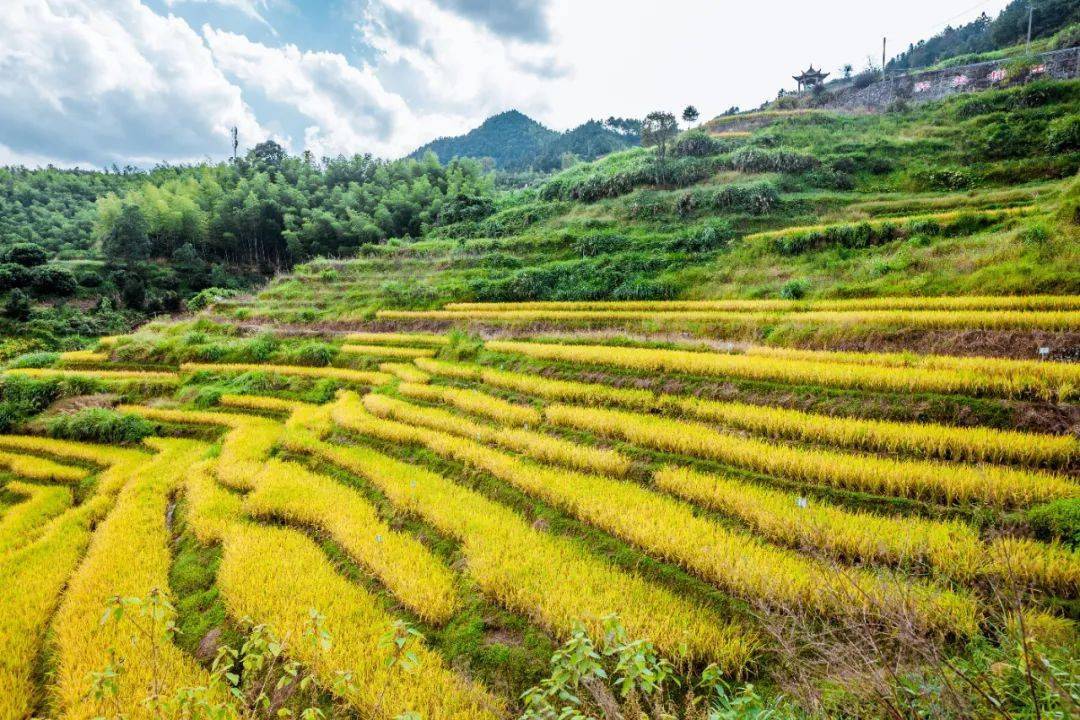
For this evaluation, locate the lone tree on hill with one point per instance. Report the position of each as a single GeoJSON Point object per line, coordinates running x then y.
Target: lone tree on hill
{"type": "Point", "coordinates": [657, 130]}
{"type": "Point", "coordinates": [690, 114]}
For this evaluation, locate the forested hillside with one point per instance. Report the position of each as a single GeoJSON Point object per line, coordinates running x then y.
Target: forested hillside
{"type": "Point", "coordinates": [516, 142]}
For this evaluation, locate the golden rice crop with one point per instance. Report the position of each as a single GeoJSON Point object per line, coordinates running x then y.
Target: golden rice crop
{"type": "Point", "coordinates": [25, 521]}
{"type": "Point", "coordinates": [449, 369]}
{"type": "Point", "coordinates": [782, 370]}
{"type": "Point", "coordinates": [987, 319]}
{"type": "Point", "coordinates": [147, 377]}
{"type": "Point", "coordinates": [473, 401]}
{"type": "Point", "coordinates": [405, 372]}
{"type": "Point", "coordinates": [388, 351]}
{"type": "Point", "coordinates": [950, 547]}
{"type": "Point", "coordinates": [278, 576]}
{"type": "Point", "coordinates": [290, 492]}
{"type": "Point", "coordinates": [536, 445]}
{"type": "Point", "coordinates": [671, 530]}
{"type": "Point", "coordinates": [100, 455]}
{"type": "Point", "coordinates": [970, 444]}
{"type": "Point", "coordinates": [1066, 375]}
{"type": "Point", "coordinates": [359, 377]}
{"type": "Point", "coordinates": [31, 580]}
{"type": "Point", "coordinates": [83, 356]}
{"type": "Point", "coordinates": [244, 447]}
{"type": "Point", "coordinates": [540, 575]}
{"type": "Point", "coordinates": [378, 338]}
{"type": "Point", "coordinates": [37, 468]}
{"type": "Point", "coordinates": [959, 302]}
{"type": "Point", "coordinates": [128, 557]}
{"type": "Point", "coordinates": [941, 482]}
{"type": "Point", "coordinates": [211, 509]}
{"type": "Point", "coordinates": [259, 402]}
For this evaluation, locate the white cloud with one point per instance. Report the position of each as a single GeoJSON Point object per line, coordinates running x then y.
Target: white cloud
{"type": "Point", "coordinates": [349, 108]}
{"type": "Point", "coordinates": [251, 8]}
{"type": "Point", "coordinates": [111, 81]}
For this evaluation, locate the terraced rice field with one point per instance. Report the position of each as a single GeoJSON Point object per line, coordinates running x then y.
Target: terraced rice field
{"type": "Point", "coordinates": [416, 522]}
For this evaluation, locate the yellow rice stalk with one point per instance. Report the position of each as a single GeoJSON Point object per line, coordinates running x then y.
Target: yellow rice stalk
{"type": "Point", "coordinates": [473, 401]}
{"type": "Point", "coordinates": [278, 576]}
{"type": "Point", "coordinates": [100, 455]}
{"type": "Point", "coordinates": [377, 338]}
{"type": "Point", "coordinates": [549, 578]}
{"type": "Point", "coordinates": [31, 580]}
{"type": "Point", "coordinates": [671, 530]}
{"type": "Point", "coordinates": [405, 372]}
{"type": "Point", "coordinates": [536, 445]}
{"type": "Point", "coordinates": [448, 369]}
{"type": "Point", "coordinates": [358, 377]}
{"type": "Point", "coordinates": [108, 341]}
{"type": "Point", "coordinates": [83, 356]}
{"type": "Point", "coordinates": [243, 449]}
{"type": "Point", "coordinates": [129, 557]}
{"type": "Point", "coordinates": [989, 319]}
{"type": "Point", "coordinates": [141, 376]}
{"type": "Point", "coordinates": [211, 509]}
{"type": "Point", "coordinates": [939, 482]}
{"type": "Point", "coordinates": [37, 468]}
{"type": "Point", "coordinates": [962, 302]}
{"type": "Point", "coordinates": [388, 351]}
{"type": "Point", "coordinates": [781, 370]}
{"type": "Point", "coordinates": [25, 521]}
{"type": "Point", "coordinates": [290, 492]}
{"type": "Point", "coordinates": [1063, 374]}
{"type": "Point", "coordinates": [952, 548]}
{"type": "Point", "coordinates": [969, 444]}
{"type": "Point", "coordinates": [259, 402]}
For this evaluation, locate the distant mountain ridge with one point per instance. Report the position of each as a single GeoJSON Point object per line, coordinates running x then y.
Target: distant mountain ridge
{"type": "Point", "coordinates": [515, 142]}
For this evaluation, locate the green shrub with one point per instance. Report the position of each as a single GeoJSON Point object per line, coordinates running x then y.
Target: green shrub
{"type": "Point", "coordinates": [752, 159]}
{"type": "Point", "coordinates": [35, 360]}
{"type": "Point", "coordinates": [1057, 520]}
{"type": "Point", "coordinates": [318, 354]}
{"type": "Point", "coordinates": [209, 296]}
{"type": "Point", "coordinates": [1063, 134]}
{"type": "Point", "coordinates": [795, 289]}
{"type": "Point", "coordinates": [100, 425]}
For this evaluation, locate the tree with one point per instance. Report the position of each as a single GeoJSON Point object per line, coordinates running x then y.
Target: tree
{"type": "Point", "coordinates": [54, 281]}
{"type": "Point", "coordinates": [25, 254]}
{"type": "Point", "coordinates": [690, 114]}
{"type": "Point", "coordinates": [847, 68]}
{"type": "Point", "coordinates": [128, 240]}
{"type": "Point", "coordinates": [17, 306]}
{"type": "Point", "coordinates": [657, 130]}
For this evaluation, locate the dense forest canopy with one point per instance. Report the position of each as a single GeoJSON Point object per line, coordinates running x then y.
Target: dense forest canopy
{"type": "Point", "coordinates": [985, 34]}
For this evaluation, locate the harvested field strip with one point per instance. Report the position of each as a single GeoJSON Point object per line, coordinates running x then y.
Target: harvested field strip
{"type": "Point", "coordinates": [970, 444]}
{"type": "Point", "coordinates": [290, 492]}
{"type": "Point", "coordinates": [546, 577]}
{"type": "Point", "coordinates": [933, 481]}
{"type": "Point", "coordinates": [128, 557]}
{"type": "Point", "coordinates": [975, 319]}
{"type": "Point", "coordinates": [38, 468]}
{"type": "Point", "coordinates": [475, 402]}
{"type": "Point", "coordinates": [863, 377]}
{"type": "Point", "coordinates": [387, 351]}
{"type": "Point", "coordinates": [149, 377]}
{"type": "Point", "coordinates": [376, 338]}
{"type": "Point", "coordinates": [358, 377]}
{"type": "Point", "coordinates": [535, 445]}
{"type": "Point", "coordinates": [26, 520]}
{"type": "Point", "coordinates": [959, 302]}
{"type": "Point", "coordinates": [671, 530]}
{"type": "Point", "coordinates": [31, 580]}
{"type": "Point", "coordinates": [405, 372]}
{"type": "Point", "coordinates": [953, 549]}
{"type": "Point", "coordinates": [278, 576]}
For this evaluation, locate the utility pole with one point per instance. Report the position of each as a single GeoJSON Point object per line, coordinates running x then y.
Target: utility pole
{"type": "Point", "coordinates": [235, 142]}
{"type": "Point", "coordinates": [883, 58]}
{"type": "Point", "coordinates": [1031, 11]}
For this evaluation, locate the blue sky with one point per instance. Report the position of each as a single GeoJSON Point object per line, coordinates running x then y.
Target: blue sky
{"type": "Point", "coordinates": [97, 82]}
